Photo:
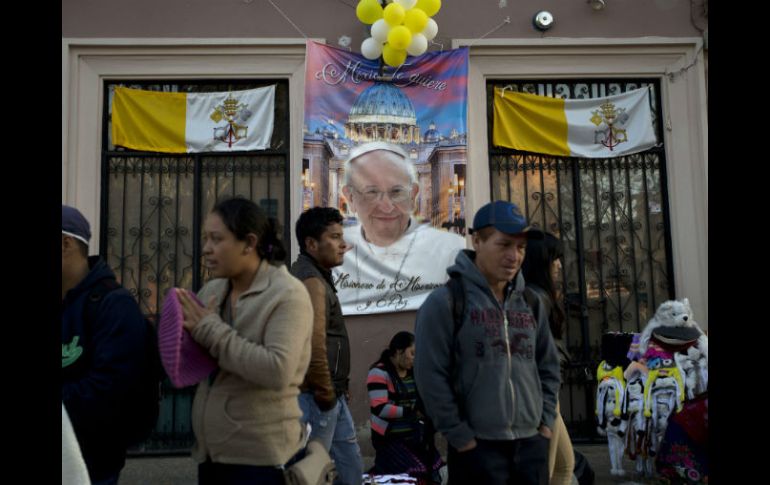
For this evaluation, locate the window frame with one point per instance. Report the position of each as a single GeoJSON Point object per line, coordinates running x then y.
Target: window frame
{"type": "Point", "coordinates": [198, 159]}
{"type": "Point", "coordinates": [88, 63]}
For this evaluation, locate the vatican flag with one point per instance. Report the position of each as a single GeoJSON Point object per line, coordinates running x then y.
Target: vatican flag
{"type": "Point", "coordinates": [193, 122]}
{"type": "Point", "coordinates": [592, 128]}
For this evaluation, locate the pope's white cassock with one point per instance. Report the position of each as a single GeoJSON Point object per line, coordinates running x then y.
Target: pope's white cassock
{"type": "Point", "coordinates": [374, 279]}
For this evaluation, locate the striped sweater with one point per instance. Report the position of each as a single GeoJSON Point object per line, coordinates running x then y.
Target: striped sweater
{"type": "Point", "coordinates": [392, 402]}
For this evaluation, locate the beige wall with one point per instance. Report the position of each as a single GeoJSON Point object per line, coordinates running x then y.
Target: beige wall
{"type": "Point", "coordinates": [330, 19]}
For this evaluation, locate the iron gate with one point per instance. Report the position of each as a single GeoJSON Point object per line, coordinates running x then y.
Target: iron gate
{"type": "Point", "coordinates": [612, 215]}
{"type": "Point", "coordinates": [153, 207]}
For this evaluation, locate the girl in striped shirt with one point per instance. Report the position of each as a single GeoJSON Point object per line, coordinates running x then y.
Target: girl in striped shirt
{"type": "Point", "coordinates": [402, 435]}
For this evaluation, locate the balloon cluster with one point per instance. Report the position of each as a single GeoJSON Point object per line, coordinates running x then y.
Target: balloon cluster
{"type": "Point", "coordinates": [402, 27]}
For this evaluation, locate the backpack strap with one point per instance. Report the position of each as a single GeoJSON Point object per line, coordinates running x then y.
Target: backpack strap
{"type": "Point", "coordinates": [95, 297]}
{"type": "Point", "coordinates": [533, 301]}
{"type": "Point", "coordinates": [457, 295]}
{"type": "Point", "coordinates": [457, 305]}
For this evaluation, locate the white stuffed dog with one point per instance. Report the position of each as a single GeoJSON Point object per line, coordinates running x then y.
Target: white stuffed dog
{"type": "Point", "coordinates": [693, 366]}
{"type": "Point", "coordinates": [673, 313]}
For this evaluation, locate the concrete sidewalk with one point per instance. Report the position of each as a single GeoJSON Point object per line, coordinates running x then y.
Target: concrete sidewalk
{"type": "Point", "coordinates": [183, 471]}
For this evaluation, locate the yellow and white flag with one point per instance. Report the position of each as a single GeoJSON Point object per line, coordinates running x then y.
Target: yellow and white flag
{"type": "Point", "coordinates": [593, 128]}
{"type": "Point", "coordinates": [193, 122]}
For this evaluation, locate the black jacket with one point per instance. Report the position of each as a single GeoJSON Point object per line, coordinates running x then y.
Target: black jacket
{"type": "Point", "coordinates": [337, 342]}
{"type": "Point", "coordinates": [102, 364]}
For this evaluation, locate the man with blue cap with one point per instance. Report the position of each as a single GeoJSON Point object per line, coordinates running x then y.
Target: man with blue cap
{"type": "Point", "coordinates": [485, 362]}
{"type": "Point", "coordinates": [103, 353]}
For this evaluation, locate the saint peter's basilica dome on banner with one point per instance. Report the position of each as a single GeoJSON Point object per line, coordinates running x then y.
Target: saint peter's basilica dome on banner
{"type": "Point", "coordinates": [382, 112]}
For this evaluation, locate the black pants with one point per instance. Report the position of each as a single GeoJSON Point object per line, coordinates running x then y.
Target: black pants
{"type": "Point", "coordinates": [515, 462]}
{"type": "Point", "coordinates": [210, 473]}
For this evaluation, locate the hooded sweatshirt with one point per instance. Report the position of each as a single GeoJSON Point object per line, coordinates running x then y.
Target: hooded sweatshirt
{"type": "Point", "coordinates": [502, 382]}
{"type": "Point", "coordinates": [102, 366]}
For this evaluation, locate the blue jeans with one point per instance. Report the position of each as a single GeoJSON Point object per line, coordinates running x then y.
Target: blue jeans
{"type": "Point", "coordinates": [335, 429]}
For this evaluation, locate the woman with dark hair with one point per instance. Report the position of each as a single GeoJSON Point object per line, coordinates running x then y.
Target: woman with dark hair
{"type": "Point", "coordinates": [257, 325]}
{"type": "Point", "coordinates": [541, 269]}
{"type": "Point", "coordinates": [402, 435]}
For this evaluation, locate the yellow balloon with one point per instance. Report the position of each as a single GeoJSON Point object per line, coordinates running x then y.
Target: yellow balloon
{"type": "Point", "coordinates": [430, 7]}
{"type": "Point", "coordinates": [394, 14]}
{"type": "Point", "coordinates": [369, 11]}
{"type": "Point", "coordinates": [399, 37]}
{"type": "Point", "coordinates": [415, 20]}
{"type": "Point", "coordinates": [393, 57]}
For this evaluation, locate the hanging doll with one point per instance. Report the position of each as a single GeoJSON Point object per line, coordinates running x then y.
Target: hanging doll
{"type": "Point", "coordinates": [664, 395]}
{"type": "Point", "coordinates": [610, 396]}
{"type": "Point", "coordinates": [609, 402]}
{"type": "Point", "coordinates": [636, 376]}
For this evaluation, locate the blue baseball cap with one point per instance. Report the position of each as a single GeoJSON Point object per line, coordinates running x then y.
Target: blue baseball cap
{"type": "Point", "coordinates": [73, 224]}
{"type": "Point", "coordinates": [503, 216]}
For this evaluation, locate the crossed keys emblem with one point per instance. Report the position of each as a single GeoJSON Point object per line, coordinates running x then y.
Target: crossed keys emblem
{"type": "Point", "coordinates": [236, 115]}
{"type": "Point", "coordinates": [612, 135]}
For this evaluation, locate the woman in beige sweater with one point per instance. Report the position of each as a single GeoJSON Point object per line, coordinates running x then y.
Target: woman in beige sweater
{"type": "Point", "coordinates": [257, 325]}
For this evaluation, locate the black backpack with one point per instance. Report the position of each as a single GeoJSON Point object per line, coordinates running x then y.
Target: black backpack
{"type": "Point", "coordinates": [142, 420]}
{"type": "Point", "coordinates": [583, 472]}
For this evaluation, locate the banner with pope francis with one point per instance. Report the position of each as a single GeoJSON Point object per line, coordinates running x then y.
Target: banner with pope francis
{"type": "Point", "coordinates": [387, 147]}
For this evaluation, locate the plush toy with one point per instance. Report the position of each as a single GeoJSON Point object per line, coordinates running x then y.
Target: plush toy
{"type": "Point", "coordinates": [664, 346]}
{"type": "Point", "coordinates": [664, 396]}
{"type": "Point", "coordinates": [664, 393]}
{"type": "Point", "coordinates": [665, 379]}
{"type": "Point", "coordinates": [610, 395]}
{"type": "Point", "coordinates": [675, 350]}
{"type": "Point", "coordinates": [695, 372]}
{"type": "Point", "coordinates": [636, 375]}
{"type": "Point", "coordinates": [674, 330]}
{"type": "Point", "coordinates": [671, 315]}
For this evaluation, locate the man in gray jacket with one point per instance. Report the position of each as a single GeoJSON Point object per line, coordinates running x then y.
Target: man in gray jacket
{"type": "Point", "coordinates": [490, 383]}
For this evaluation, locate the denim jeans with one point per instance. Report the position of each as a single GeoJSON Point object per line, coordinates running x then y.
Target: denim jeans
{"type": "Point", "coordinates": [335, 429]}
{"type": "Point", "coordinates": [523, 461]}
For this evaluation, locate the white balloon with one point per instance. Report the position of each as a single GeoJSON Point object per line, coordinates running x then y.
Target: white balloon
{"type": "Point", "coordinates": [407, 4]}
{"type": "Point", "coordinates": [380, 30]}
{"type": "Point", "coordinates": [430, 30]}
{"type": "Point", "coordinates": [371, 48]}
{"type": "Point", "coordinates": [418, 46]}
